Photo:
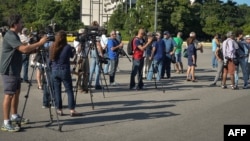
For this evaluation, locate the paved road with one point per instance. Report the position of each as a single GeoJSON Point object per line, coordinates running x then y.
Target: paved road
{"type": "Point", "coordinates": [187, 111]}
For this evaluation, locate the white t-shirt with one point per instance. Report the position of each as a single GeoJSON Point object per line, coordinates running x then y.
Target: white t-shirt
{"type": "Point", "coordinates": [79, 52]}
{"type": "Point", "coordinates": [103, 41]}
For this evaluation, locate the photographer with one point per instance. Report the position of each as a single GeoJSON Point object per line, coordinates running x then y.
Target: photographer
{"type": "Point", "coordinates": [157, 55]}
{"type": "Point", "coordinates": [10, 69]}
{"type": "Point", "coordinates": [24, 37]}
{"type": "Point", "coordinates": [60, 54]}
{"type": "Point", "coordinates": [139, 46]}
{"type": "Point", "coordinates": [104, 42]}
{"type": "Point", "coordinates": [113, 47]}
{"type": "Point", "coordinates": [96, 54]}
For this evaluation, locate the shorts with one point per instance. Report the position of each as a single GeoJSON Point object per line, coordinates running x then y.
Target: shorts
{"type": "Point", "coordinates": [178, 57]}
{"type": "Point", "coordinates": [230, 68]}
{"type": "Point", "coordinates": [11, 84]}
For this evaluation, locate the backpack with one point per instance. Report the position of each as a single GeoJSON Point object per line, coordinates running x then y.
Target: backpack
{"type": "Point", "coordinates": [220, 53]}
{"type": "Point", "coordinates": [130, 46]}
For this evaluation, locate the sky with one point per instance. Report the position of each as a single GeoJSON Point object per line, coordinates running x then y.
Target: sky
{"type": "Point", "coordinates": [241, 1]}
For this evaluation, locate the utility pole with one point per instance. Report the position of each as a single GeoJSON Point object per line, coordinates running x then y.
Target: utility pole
{"type": "Point", "coordinates": [155, 24]}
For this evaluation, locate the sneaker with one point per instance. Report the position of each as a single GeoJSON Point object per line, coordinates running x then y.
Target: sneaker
{"type": "Point", "coordinates": [114, 84]}
{"type": "Point", "coordinates": [235, 87]}
{"type": "Point", "coordinates": [45, 107]}
{"type": "Point", "coordinates": [245, 86]}
{"type": "Point", "coordinates": [223, 86]}
{"type": "Point", "coordinates": [213, 84]}
{"type": "Point", "coordinates": [10, 128]}
{"type": "Point", "coordinates": [18, 119]}
{"type": "Point", "coordinates": [98, 87]}
{"type": "Point", "coordinates": [133, 88]}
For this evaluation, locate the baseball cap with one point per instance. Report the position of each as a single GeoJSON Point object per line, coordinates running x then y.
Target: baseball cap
{"type": "Point", "coordinates": [192, 34]}
{"type": "Point", "coordinates": [247, 37]}
{"type": "Point", "coordinates": [81, 31]}
{"type": "Point", "coordinates": [166, 33]}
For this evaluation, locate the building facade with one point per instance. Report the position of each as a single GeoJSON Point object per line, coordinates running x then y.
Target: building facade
{"type": "Point", "coordinates": [99, 10]}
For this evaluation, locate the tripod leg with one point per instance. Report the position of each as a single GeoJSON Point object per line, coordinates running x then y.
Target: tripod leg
{"type": "Point", "coordinates": [26, 97]}
{"type": "Point", "coordinates": [91, 95]}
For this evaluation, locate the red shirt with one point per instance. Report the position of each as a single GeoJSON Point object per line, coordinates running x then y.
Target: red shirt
{"type": "Point", "coordinates": [138, 54]}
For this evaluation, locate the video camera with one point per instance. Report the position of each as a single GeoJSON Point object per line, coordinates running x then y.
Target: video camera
{"type": "Point", "coordinates": [90, 32]}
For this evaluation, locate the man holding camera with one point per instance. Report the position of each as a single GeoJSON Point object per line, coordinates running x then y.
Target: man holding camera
{"type": "Point", "coordinates": [139, 46]}
{"type": "Point", "coordinates": [113, 47]}
{"type": "Point", "coordinates": [229, 47]}
{"type": "Point", "coordinates": [157, 55]}
{"type": "Point", "coordinates": [10, 69]}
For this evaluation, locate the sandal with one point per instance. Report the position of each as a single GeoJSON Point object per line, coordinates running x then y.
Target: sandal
{"type": "Point", "coordinates": [39, 87]}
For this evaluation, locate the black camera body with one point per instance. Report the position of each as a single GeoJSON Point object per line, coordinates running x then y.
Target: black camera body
{"type": "Point", "coordinates": [50, 37]}
{"type": "Point", "coordinates": [121, 52]}
{"type": "Point", "coordinates": [154, 37]}
{"type": "Point", "coordinates": [103, 60]}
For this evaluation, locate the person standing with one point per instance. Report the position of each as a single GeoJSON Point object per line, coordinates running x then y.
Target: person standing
{"type": "Point", "coordinates": [178, 52]}
{"type": "Point", "coordinates": [169, 45]}
{"type": "Point", "coordinates": [215, 45]}
{"type": "Point", "coordinates": [24, 37]}
{"type": "Point", "coordinates": [139, 46]}
{"type": "Point", "coordinates": [10, 69]}
{"type": "Point", "coordinates": [219, 57]}
{"type": "Point", "coordinates": [113, 46]}
{"type": "Point", "coordinates": [60, 53]}
{"type": "Point", "coordinates": [157, 55]}
{"type": "Point", "coordinates": [192, 58]}
{"type": "Point", "coordinates": [242, 56]}
{"type": "Point", "coordinates": [229, 47]}
{"type": "Point", "coordinates": [96, 53]}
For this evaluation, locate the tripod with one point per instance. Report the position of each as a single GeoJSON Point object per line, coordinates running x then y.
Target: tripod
{"type": "Point", "coordinates": [155, 70]}
{"type": "Point", "coordinates": [48, 88]}
{"type": "Point", "coordinates": [85, 53]}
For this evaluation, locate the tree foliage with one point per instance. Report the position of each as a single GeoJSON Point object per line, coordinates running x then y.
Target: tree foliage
{"type": "Point", "coordinates": [41, 13]}
{"type": "Point", "coordinates": [205, 17]}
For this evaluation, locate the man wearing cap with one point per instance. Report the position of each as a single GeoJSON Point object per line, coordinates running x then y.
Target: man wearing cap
{"type": "Point", "coordinates": [229, 47]}
{"type": "Point", "coordinates": [242, 56]}
{"type": "Point", "coordinates": [157, 55]}
{"type": "Point", "coordinates": [25, 41]}
{"type": "Point", "coordinates": [169, 46]}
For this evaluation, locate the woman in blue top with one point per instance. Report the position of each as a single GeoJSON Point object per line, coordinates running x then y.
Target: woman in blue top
{"type": "Point", "coordinates": [192, 57]}
{"type": "Point", "coordinates": [60, 54]}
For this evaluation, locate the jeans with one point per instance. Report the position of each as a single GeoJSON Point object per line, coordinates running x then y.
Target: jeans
{"type": "Point", "coordinates": [106, 66]}
{"type": "Point", "coordinates": [156, 66]}
{"type": "Point", "coordinates": [146, 67]}
{"type": "Point", "coordinates": [94, 67]}
{"type": "Point", "coordinates": [243, 65]}
{"type": "Point", "coordinates": [113, 67]}
{"type": "Point", "coordinates": [47, 85]}
{"type": "Point", "coordinates": [136, 69]}
{"type": "Point", "coordinates": [214, 60]}
{"type": "Point", "coordinates": [219, 71]}
{"type": "Point", "coordinates": [25, 58]}
{"type": "Point", "coordinates": [59, 76]}
{"type": "Point", "coordinates": [166, 66]}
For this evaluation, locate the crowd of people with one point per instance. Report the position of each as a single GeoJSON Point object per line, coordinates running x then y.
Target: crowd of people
{"type": "Point", "coordinates": [92, 56]}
